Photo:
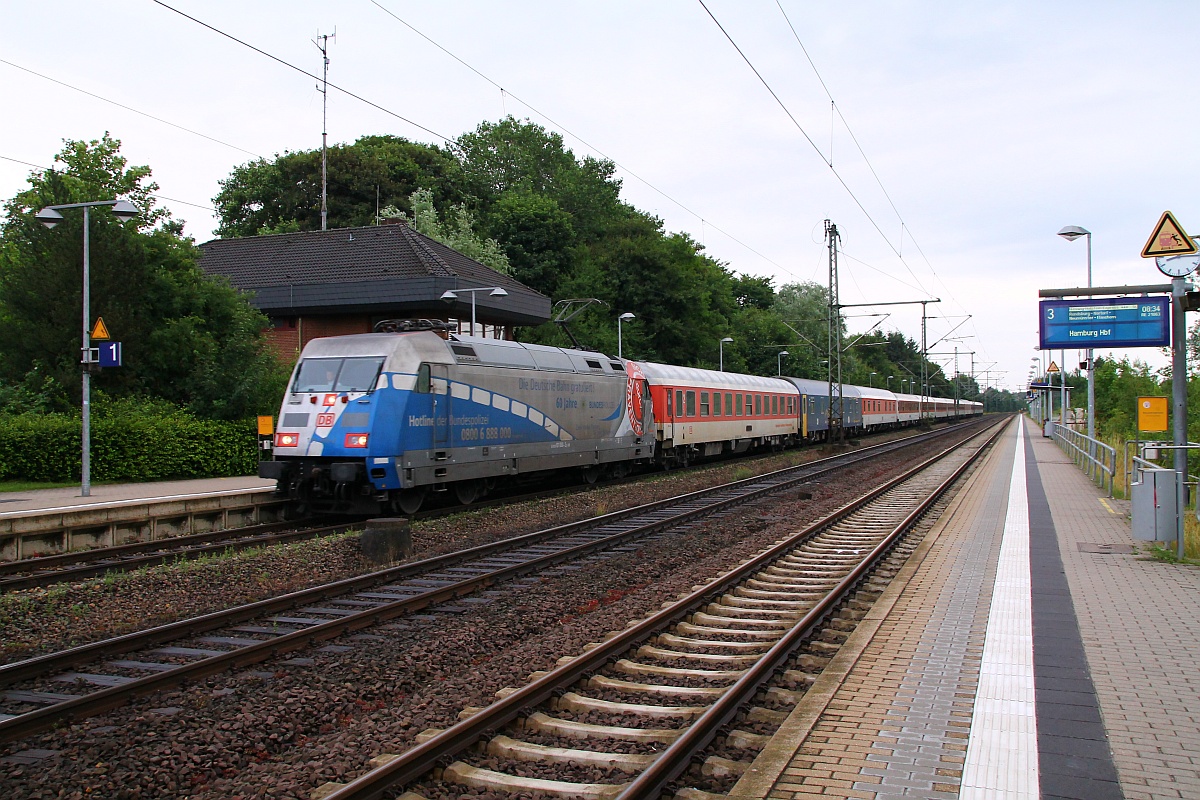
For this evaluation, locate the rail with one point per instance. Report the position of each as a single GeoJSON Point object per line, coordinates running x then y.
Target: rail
{"type": "Point", "coordinates": [1094, 457]}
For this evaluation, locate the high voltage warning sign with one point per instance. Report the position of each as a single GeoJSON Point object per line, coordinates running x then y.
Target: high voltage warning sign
{"type": "Point", "coordinates": [1168, 239]}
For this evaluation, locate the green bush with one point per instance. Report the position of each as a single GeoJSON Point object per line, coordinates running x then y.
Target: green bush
{"type": "Point", "coordinates": [126, 447]}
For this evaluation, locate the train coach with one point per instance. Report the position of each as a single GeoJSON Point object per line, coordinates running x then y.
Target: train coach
{"type": "Point", "coordinates": [699, 413]}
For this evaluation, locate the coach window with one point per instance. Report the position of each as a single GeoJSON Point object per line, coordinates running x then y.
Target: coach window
{"type": "Point", "coordinates": [728, 404]}
{"type": "Point", "coordinates": [716, 404]}
{"type": "Point", "coordinates": [423, 379]}
{"type": "Point", "coordinates": [679, 402]}
{"type": "Point", "coordinates": [774, 404]}
{"type": "Point", "coordinates": [738, 406]}
{"type": "Point", "coordinates": [691, 404]}
{"type": "Point", "coordinates": [670, 406]}
{"type": "Point", "coordinates": [757, 404]}
{"type": "Point", "coordinates": [704, 404]}
{"type": "Point", "coordinates": [749, 405]}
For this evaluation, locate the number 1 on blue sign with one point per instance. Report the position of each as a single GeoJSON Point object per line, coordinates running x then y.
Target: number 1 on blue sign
{"type": "Point", "coordinates": [110, 354]}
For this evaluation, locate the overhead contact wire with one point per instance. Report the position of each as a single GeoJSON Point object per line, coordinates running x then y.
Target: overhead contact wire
{"type": "Point", "coordinates": [304, 72]}
{"type": "Point", "coordinates": [130, 108]}
{"type": "Point", "coordinates": [580, 139]}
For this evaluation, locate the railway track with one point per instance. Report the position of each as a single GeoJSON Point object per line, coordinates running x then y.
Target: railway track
{"type": "Point", "coordinates": [30, 573]}
{"type": "Point", "coordinates": [712, 668]}
{"type": "Point", "coordinates": [74, 684]}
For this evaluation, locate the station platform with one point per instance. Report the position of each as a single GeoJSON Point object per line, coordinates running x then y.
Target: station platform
{"type": "Point", "coordinates": [45, 522]}
{"type": "Point", "coordinates": [49, 500]}
{"type": "Point", "coordinates": [1026, 650]}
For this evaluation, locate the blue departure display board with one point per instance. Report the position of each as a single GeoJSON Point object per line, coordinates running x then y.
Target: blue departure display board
{"type": "Point", "coordinates": [1106, 322]}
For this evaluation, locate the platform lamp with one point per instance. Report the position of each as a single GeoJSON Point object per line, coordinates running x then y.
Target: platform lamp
{"type": "Point", "coordinates": [722, 351]}
{"type": "Point", "coordinates": [871, 379]}
{"type": "Point", "coordinates": [626, 317]}
{"type": "Point", "coordinates": [1071, 233]}
{"type": "Point", "coordinates": [450, 295]}
{"type": "Point", "coordinates": [779, 362]}
{"type": "Point", "coordinates": [50, 217]}
{"type": "Point", "coordinates": [889, 382]}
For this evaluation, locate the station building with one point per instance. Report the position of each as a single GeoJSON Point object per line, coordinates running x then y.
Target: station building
{"type": "Point", "coordinates": [337, 282]}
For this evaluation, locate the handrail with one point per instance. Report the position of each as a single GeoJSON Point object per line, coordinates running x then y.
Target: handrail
{"type": "Point", "coordinates": [1089, 454]}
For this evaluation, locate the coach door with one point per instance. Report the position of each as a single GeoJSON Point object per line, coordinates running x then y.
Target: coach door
{"type": "Point", "coordinates": [440, 389]}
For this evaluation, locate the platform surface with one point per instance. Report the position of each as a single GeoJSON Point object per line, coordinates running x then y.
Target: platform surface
{"type": "Point", "coordinates": [107, 494]}
{"type": "Point", "coordinates": [1024, 651]}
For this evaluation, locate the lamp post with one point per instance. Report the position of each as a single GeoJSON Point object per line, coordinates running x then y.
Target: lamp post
{"type": "Point", "coordinates": [889, 382]}
{"type": "Point", "coordinates": [722, 351]}
{"type": "Point", "coordinates": [450, 295]}
{"type": "Point", "coordinates": [871, 379]}
{"type": "Point", "coordinates": [623, 318]}
{"type": "Point", "coordinates": [1071, 233]}
{"type": "Point", "coordinates": [779, 362]}
{"type": "Point", "coordinates": [50, 217]}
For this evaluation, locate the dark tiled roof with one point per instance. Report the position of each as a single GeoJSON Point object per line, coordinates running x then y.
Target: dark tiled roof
{"type": "Point", "coordinates": [381, 268]}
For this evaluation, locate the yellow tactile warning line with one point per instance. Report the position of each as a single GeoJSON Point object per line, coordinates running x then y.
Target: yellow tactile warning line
{"type": "Point", "coordinates": [890, 715]}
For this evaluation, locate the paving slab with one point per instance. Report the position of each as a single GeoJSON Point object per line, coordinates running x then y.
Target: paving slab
{"type": "Point", "coordinates": [1115, 641]}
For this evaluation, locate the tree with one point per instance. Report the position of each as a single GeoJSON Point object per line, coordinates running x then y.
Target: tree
{"type": "Point", "coordinates": [455, 230]}
{"type": "Point", "coordinates": [284, 194]}
{"type": "Point", "coordinates": [512, 156]}
{"type": "Point", "coordinates": [539, 237]}
{"type": "Point", "coordinates": [186, 338]}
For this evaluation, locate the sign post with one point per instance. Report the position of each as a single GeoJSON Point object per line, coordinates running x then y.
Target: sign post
{"type": "Point", "coordinates": [1169, 239]}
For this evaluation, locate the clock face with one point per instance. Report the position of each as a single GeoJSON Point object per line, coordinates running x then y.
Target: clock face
{"type": "Point", "coordinates": [1177, 266]}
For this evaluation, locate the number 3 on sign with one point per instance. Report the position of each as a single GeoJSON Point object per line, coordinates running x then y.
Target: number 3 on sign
{"type": "Point", "coordinates": [110, 354]}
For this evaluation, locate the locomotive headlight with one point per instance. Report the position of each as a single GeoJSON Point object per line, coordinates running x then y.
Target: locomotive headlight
{"type": "Point", "coordinates": [287, 439]}
{"type": "Point", "coordinates": [356, 440]}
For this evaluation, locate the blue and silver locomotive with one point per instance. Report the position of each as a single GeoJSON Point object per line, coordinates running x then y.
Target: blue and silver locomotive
{"type": "Point", "coordinates": [370, 423]}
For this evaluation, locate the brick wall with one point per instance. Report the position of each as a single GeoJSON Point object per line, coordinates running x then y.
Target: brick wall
{"type": "Point", "coordinates": [288, 335]}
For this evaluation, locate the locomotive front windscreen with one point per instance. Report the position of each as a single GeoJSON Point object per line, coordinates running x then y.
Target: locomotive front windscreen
{"type": "Point", "coordinates": [338, 374]}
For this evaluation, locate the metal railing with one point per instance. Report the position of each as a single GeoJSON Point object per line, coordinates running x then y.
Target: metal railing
{"type": "Point", "coordinates": [1094, 457]}
{"type": "Point", "coordinates": [1145, 460]}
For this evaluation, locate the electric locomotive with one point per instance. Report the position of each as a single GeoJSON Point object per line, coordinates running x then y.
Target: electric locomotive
{"type": "Point", "coordinates": [372, 422]}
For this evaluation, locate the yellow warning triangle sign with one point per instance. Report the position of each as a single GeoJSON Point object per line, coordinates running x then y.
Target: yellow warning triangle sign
{"type": "Point", "coordinates": [100, 331]}
{"type": "Point", "coordinates": [1168, 239]}
{"type": "Point", "coordinates": [1052, 368]}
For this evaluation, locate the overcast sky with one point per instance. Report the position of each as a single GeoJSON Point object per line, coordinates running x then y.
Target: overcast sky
{"type": "Point", "coordinates": [990, 126]}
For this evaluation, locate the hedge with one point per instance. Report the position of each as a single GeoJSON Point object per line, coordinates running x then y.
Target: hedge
{"type": "Point", "coordinates": [126, 448]}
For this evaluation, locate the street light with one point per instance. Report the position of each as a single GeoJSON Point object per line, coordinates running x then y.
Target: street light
{"type": "Point", "coordinates": [779, 362]}
{"type": "Point", "coordinates": [624, 317]}
{"type": "Point", "coordinates": [871, 379]}
{"type": "Point", "coordinates": [50, 217]}
{"type": "Point", "coordinates": [450, 295]}
{"type": "Point", "coordinates": [1071, 233]}
{"type": "Point", "coordinates": [722, 349]}
{"type": "Point", "coordinates": [889, 382]}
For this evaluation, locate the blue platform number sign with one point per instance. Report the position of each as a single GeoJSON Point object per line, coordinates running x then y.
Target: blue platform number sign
{"type": "Point", "coordinates": [1106, 322]}
{"type": "Point", "coordinates": [110, 354]}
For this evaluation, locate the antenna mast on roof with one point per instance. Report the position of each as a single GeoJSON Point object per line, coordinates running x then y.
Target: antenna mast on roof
{"type": "Point", "coordinates": [322, 43]}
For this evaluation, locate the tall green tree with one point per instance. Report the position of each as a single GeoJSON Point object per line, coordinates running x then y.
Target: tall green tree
{"type": "Point", "coordinates": [284, 194]}
{"type": "Point", "coordinates": [185, 337]}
